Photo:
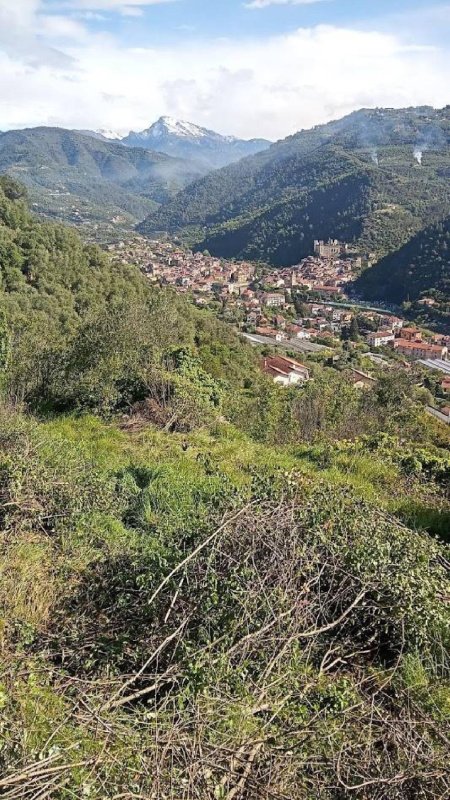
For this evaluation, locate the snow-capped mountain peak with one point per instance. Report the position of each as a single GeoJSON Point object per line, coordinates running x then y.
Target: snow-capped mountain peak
{"type": "Point", "coordinates": [169, 126]}
{"type": "Point", "coordinates": [185, 140]}
{"type": "Point", "coordinates": [105, 133]}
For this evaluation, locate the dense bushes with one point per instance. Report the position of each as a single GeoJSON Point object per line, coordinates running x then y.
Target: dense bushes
{"type": "Point", "coordinates": [82, 334]}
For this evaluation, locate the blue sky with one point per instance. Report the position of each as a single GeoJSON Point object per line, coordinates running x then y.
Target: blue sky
{"type": "Point", "coordinates": [249, 67]}
{"type": "Point", "coordinates": [170, 20]}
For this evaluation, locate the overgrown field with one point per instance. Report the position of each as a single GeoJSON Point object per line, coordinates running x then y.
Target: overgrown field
{"type": "Point", "coordinates": [210, 587]}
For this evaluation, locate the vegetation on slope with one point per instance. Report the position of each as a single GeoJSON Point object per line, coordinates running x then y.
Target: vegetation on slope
{"type": "Point", "coordinates": [422, 266]}
{"type": "Point", "coordinates": [77, 178]}
{"type": "Point", "coordinates": [195, 623]}
{"type": "Point", "coordinates": [211, 587]}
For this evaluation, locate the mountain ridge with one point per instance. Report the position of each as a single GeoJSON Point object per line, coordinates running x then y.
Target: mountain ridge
{"type": "Point", "coordinates": [96, 177]}
{"type": "Point", "coordinates": [104, 134]}
{"type": "Point", "coordinates": [181, 139]}
{"type": "Point", "coordinates": [187, 140]}
{"type": "Point", "coordinates": [253, 210]}
{"type": "Point", "coordinates": [421, 266]}
{"type": "Point", "coordinates": [64, 169]}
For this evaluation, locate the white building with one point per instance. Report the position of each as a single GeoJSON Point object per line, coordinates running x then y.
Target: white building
{"type": "Point", "coordinates": [380, 338]}
{"type": "Point", "coordinates": [285, 371]}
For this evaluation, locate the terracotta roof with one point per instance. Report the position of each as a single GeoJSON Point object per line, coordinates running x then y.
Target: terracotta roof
{"type": "Point", "coordinates": [429, 348]}
{"type": "Point", "coordinates": [283, 365]}
{"type": "Point", "coordinates": [380, 335]}
{"type": "Point", "coordinates": [266, 332]}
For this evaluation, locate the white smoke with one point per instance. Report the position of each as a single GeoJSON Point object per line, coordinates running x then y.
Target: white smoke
{"type": "Point", "coordinates": [374, 157]}
{"type": "Point", "coordinates": [418, 155]}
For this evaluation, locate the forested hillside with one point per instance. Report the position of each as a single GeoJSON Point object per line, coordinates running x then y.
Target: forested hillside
{"type": "Point", "coordinates": [359, 178]}
{"type": "Point", "coordinates": [74, 177]}
{"type": "Point", "coordinates": [422, 266]}
{"type": "Point", "coordinates": [81, 332]}
{"type": "Point", "coordinates": [210, 586]}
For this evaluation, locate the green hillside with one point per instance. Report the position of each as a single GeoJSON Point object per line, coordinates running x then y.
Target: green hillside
{"type": "Point", "coordinates": [77, 178]}
{"type": "Point", "coordinates": [420, 269]}
{"type": "Point", "coordinates": [422, 266]}
{"type": "Point", "coordinates": [210, 586]}
{"type": "Point", "coordinates": [356, 178]}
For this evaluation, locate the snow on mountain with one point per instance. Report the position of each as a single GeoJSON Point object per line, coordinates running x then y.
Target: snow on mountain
{"type": "Point", "coordinates": [185, 140]}
{"type": "Point", "coordinates": [105, 133]}
{"type": "Point", "coordinates": [205, 149]}
{"type": "Point", "coordinates": [168, 126]}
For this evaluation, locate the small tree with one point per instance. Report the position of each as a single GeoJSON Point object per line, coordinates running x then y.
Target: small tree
{"type": "Point", "coordinates": [4, 348]}
{"type": "Point", "coordinates": [354, 330]}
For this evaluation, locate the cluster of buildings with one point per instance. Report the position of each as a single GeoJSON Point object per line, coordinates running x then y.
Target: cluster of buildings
{"type": "Point", "coordinates": [319, 321]}
{"type": "Point", "coordinates": [261, 301]}
{"type": "Point", "coordinates": [264, 301]}
{"type": "Point", "coordinates": [327, 272]}
{"type": "Point", "coordinates": [409, 342]}
{"type": "Point", "coordinates": [199, 273]}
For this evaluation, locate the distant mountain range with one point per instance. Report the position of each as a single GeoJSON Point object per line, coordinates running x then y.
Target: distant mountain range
{"type": "Point", "coordinates": [184, 140]}
{"type": "Point", "coordinates": [376, 178]}
{"type": "Point", "coordinates": [104, 135]}
{"type": "Point", "coordinates": [207, 149]}
{"type": "Point", "coordinates": [100, 177]}
{"type": "Point", "coordinates": [379, 178]}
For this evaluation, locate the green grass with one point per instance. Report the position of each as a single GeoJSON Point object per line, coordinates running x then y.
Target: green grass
{"type": "Point", "coordinates": [184, 467]}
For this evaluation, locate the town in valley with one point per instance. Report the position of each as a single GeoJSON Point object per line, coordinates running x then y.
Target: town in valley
{"type": "Point", "coordinates": [301, 313]}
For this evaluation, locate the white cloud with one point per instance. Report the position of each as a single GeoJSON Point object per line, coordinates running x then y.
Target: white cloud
{"type": "Point", "coordinates": [55, 71]}
{"type": "Point", "coordinates": [28, 36]}
{"type": "Point", "coordinates": [90, 16]}
{"type": "Point", "coordinates": [126, 7]}
{"type": "Point", "coordinates": [267, 3]}
{"type": "Point", "coordinates": [60, 27]}
{"type": "Point", "coordinates": [18, 14]}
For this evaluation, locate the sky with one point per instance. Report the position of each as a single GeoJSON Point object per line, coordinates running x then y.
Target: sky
{"type": "Point", "coordinates": [252, 68]}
